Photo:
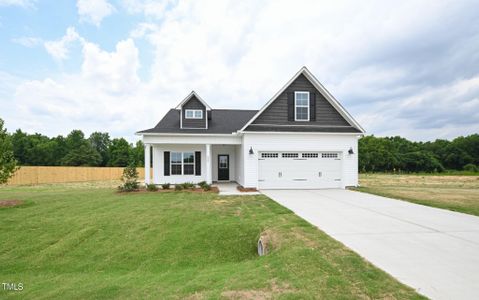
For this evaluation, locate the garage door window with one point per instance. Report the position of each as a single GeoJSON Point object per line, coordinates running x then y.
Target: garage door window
{"type": "Point", "coordinates": [289, 155]}
{"type": "Point", "coordinates": [269, 155]}
{"type": "Point", "coordinates": [309, 155]}
{"type": "Point", "coordinates": [329, 155]}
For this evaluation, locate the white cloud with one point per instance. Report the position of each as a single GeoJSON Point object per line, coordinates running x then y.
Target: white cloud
{"type": "Point", "coordinates": [399, 68]}
{"type": "Point", "coordinates": [154, 8]}
{"type": "Point", "coordinates": [59, 49]}
{"type": "Point", "coordinates": [27, 41]}
{"type": "Point", "coordinates": [22, 3]}
{"type": "Point", "coordinates": [94, 11]}
{"type": "Point", "coordinates": [106, 95]}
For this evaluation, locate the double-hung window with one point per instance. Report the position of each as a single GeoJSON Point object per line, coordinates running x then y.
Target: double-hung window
{"type": "Point", "coordinates": [188, 163]}
{"type": "Point", "coordinates": [175, 161]}
{"type": "Point", "coordinates": [193, 114]}
{"type": "Point", "coordinates": [182, 163]}
{"type": "Point", "coordinates": [301, 106]}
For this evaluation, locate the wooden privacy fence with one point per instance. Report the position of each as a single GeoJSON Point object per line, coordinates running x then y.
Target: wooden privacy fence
{"type": "Point", "coordinates": [36, 175]}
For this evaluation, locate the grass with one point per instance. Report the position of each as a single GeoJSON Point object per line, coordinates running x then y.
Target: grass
{"type": "Point", "coordinates": [454, 192]}
{"type": "Point", "coordinates": [83, 241]}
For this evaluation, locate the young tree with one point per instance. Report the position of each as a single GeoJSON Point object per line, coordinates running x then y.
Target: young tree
{"type": "Point", "coordinates": [8, 163]}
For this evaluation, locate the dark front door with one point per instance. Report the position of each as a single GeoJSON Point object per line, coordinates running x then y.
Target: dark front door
{"type": "Point", "coordinates": [223, 167]}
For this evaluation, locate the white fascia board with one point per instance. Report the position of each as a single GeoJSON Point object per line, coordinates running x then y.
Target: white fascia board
{"type": "Point", "coordinates": [190, 95]}
{"type": "Point", "coordinates": [181, 139]}
{"type": "Point", "coordinates": [359, 134]}
{"type": "Point", "coordinates": [320, 88]}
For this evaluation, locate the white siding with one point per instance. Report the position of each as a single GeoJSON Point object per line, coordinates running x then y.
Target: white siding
{"type": "Point", "coordinates": [239, 164]}
{"type": "Point", "coordinates": [300, 142]}
{"type": "Point", "coordinates": [158, 159]}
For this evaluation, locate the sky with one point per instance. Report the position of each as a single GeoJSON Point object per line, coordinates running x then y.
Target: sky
{"type": "Point", "coordinates": [408, 68]}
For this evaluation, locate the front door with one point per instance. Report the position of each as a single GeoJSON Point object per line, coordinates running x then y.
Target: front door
{"type": "Point", "coordinates": [223, 167]}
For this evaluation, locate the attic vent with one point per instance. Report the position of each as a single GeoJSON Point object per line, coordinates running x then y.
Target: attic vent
{"type": "Point", "coordinates": [329, 155]}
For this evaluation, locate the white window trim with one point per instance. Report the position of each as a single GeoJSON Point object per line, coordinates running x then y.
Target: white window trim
{"type": "Point", "coordinates": [296, 106]}
{"type": "Point", "coordinates": [194, 111]}
{"type": "Point", "coordinates": [183, 163]}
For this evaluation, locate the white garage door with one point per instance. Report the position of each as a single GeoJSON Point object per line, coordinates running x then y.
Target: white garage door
{"type": "Point", "coordinates": [299, 170]}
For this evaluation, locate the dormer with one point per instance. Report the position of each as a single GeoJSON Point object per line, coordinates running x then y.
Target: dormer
{"type": "Point", "coordinates": [194, 112]}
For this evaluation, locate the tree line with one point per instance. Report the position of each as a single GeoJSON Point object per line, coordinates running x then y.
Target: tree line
{"type": "Point", "coordinates": [397, 154]}
{"type": "Point", "coordinates": [98, 150]}
{"type": "Point", "coordinates": [376, 154]}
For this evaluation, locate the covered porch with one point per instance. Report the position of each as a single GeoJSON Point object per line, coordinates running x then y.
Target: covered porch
{"type": "Point", "coordinates": [179, 163]}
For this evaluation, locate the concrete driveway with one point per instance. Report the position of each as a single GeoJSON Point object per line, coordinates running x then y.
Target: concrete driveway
{"type": "Point", "coordinates": [434, 251]}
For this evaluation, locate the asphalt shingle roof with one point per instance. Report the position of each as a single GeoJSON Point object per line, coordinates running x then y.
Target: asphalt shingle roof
{"type": "Point", "coordinates": [223, 121]}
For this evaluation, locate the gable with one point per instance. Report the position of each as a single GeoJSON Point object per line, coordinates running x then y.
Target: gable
{"type": "Point", "coordinates": [193, 103]}
{"type": "Point", "coordinates": [277, 112]}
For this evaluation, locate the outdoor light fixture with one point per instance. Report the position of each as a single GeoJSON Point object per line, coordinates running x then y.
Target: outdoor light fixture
{"type": "Point", "coordinates": [351, 151]}
{"type": "Point", "coordinates": [251, 150]}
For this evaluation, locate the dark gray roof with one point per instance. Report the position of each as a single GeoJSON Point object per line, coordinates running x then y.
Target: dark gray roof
{"type": "Point", "coordinates": [222, 121]}
{"type": "Point", "coordinates": [302, 128]}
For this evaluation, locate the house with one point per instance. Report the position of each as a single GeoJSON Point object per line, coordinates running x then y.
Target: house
{"type": "Point", "coordinates": [302, 138]}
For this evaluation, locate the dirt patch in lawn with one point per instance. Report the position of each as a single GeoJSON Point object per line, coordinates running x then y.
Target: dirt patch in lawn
{"type": "Point", "coordinates": [268, 293]}
{"type": "Point", "coordinates": [10, 203]}
{"type": "Point", "coordinates": [245, 190]}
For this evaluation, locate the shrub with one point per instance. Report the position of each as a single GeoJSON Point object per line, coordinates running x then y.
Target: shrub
{"type": "Point", "coordinates": [206, 187]}
{"type": "Point", "coordinates": [151, 187]}
{"type": "Point", "coordinates": [178, 187]}
{"type": "Point", "coordinates": [188, 185]}
{"type": "Point", "coordinates": [165, 186]}
{"type": "Point", "coordinates": [201, 184]}
{"type": "Point", "coordinates": [130, 179]}
{"type": "Point", "coordinates": [471, 168]}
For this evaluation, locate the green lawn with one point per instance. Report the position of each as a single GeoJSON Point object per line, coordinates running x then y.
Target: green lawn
{"type": "Point", "coordinates": [454, 192]}
{"type": "Point", "coordinates": [83, 241]}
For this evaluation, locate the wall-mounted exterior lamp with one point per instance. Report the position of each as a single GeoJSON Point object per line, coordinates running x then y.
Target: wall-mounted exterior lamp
{"type": "Point", "coordinates": [251, 152]}
{"type": "Point", "coordinates": [351, 151]}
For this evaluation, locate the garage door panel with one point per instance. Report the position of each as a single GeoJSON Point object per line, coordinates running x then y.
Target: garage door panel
{"type": "Point", "coordinates": [300, 170]}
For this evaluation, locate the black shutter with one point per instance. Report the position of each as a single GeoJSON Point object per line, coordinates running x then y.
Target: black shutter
{"type": "Point", "coordinates": [312, 107]}
{"type": "Point", "coordinates": [167, 163]}
{"type": "Point", "coordinates": [290, 106]}
{"type": "Point", "coordinates": [197, 163]}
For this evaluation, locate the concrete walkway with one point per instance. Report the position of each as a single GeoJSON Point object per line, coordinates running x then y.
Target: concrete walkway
{"type": "Point", "coordinates": [434, 251]}
{"type": "Point", "coordinates": [230, 189]}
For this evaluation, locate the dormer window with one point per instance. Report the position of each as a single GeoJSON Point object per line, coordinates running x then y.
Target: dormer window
{"type": "Point", "coordinates": [301, 106]}
{"type": "Point", "coordinates": [193, 114]}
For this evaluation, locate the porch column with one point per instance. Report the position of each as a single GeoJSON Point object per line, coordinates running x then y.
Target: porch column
{"type": "Point", "coordinates": [147, 163]}
{"type": "Point", "coordinates": [208, 164]}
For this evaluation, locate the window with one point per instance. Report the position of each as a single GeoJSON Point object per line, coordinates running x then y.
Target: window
{"type": "Point", "coordinates": [269, 155]}
{"type": "Point", "coordinates": [289, 155]}
{"type": "Point", "coordinates": [188, 163]}
{"type": "Point", "coordinates": [309, 155]}
{"type": "Point", "coordinates": [301, 106]}
{"type": "Point", "coordinates": [193, 114]}
{"type": "Point", "coordinates": [182, 163]}
{"type": "Point", "coordinates": [329, 155]}
{"type": "Point", "coordinates": [175, 163]}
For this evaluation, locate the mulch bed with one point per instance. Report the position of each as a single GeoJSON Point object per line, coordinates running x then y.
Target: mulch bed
{"type": "Point", "coordinates": [245, 190]}
{"type": "Point", "coordinates": [214, 189]}
{"type": "Point", "coordinates": [10, 203]}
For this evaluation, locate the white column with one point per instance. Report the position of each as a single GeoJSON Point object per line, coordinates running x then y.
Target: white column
{"type": "Point", "coordinates": [208, 164]}
{"type": "Point", "coordinates": [147, 163]}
